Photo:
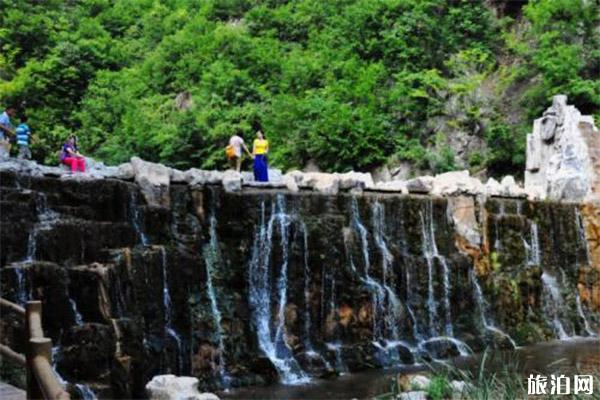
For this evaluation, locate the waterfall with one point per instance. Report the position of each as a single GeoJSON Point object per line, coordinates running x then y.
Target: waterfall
{"type": "Point", "coordinates": [581, 236]}
{"type": "Point", "coordinates": [46, 218]}
{"type": "Point", "coordinates": [553, 304]}
{"type": "Point", "coordinates": [431, 253]}
{"type": "Point", "coordinates": [586, 324]}
{"type": "Point", "coordinates": [482, 309]}
{"type": "Point", "coordinates": [212, 259]}
{"type": "Point", "coordinates": [378, 292]}
{"type": "Point", "coordinates": [394, 305]}
{"type": "Point", "coordinates": [336, 348]}
{"type": "Point", "coordinates": [76, 314]}
{"type": "Point", "coordinates": [86, 392]}
{"type": "Point", "coordinates": [306, 270]}
{"type": "Point", "coordinates": [136, 219]}
{"type": "Point", "coordinates": [274, 346]}
{"type": "Point", "coordinates": [533, 250]}
{"type": "Point", "coordinates": [168, 312]}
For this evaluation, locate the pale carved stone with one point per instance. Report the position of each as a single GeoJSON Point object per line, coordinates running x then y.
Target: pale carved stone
{"type": "Point", "coordinates": [562, 155]}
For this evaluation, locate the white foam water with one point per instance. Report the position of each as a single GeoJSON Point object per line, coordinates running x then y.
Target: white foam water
{"type": "Point", "coordinates": [274, 346]}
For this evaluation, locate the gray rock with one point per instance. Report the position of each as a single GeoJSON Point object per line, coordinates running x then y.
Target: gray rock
{"type": "Point", "coordinates": [290, 183]}
{"type": "Point", "coordinates": [455, 183]}
{"type": "Point", "coordinates": [402, 171]}
{"type": "Point", "coordinates": [177, 176]}
{"type": "Point", "coordinates": [154, 180]}
{"type": "Point", "coordinates": [354, 180]}
{"type": "Point", "coordinates": [275, 175]}
{"type": "Point", "coordinates": [232, 181]}
{"type": "Point", "coordinates": [562, 155]}
{"type": "Point", "coordinates": [126, 171]}
{"type": "Point", "coordinates": [195, 176]}
{"type": "Point", "coordinates": [171, 387]}
{"type": "Point", "coordinates": [414, 395]}
{"type": "Point", "coordinates": [395, 186]}
{"type": "Point", "coordinates": [421, 184]}
{"type": "Point", "coordinates": [381, 174]}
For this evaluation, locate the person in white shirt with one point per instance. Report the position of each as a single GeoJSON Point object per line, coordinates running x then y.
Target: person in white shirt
{"type": "Point", "coordinates": [7, 130]}
{"type": "Point", "coordinates": [237, 143]}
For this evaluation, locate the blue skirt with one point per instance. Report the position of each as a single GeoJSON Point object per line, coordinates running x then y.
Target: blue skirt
{"type": "Point", "coordinates": [261, 169]}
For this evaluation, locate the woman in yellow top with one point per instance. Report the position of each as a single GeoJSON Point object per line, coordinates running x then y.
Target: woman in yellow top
{"type": "Point", "coordinates": [260, 149]}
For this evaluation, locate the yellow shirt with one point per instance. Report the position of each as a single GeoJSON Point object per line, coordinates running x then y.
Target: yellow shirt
{"type": "Point", "coordinates": [261, 146]}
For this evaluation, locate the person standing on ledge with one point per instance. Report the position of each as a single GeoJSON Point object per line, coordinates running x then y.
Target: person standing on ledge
{"type": "Point", "coordinates": [71, 156]}
{"type": "Point", "coordinates": [6, 131]}
{"type": "Point", "coordinates": [23, 134]}
{"type": "Point", "coordinates": [260, 149]}
{"type": "Point", "coordinates": [234, 151]}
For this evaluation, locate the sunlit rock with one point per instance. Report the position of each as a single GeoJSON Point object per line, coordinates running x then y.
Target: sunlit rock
{"type": "Point", "coordinates": [171, 387]}
{"type": "Point", "coordinates": [562, 154]}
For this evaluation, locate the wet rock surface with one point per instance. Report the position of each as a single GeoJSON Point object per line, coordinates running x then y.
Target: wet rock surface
{"type": "Point", "coordinates": [254, 285]}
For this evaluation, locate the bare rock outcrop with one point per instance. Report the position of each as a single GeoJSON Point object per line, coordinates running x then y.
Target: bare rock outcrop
{"type": "Point", "coordinates": [563, 155]}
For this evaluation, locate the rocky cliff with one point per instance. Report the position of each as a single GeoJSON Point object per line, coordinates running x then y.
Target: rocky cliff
{"type": "Point", "coordinates": [158, 272]}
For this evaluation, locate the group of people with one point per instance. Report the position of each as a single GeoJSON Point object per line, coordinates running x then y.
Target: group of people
{"type": "Point", "coordinates": [22, 137]}
{"type": "Point", "coordinates": [70, 155]}
{"type": "Point", "coordinates": [260, 150]}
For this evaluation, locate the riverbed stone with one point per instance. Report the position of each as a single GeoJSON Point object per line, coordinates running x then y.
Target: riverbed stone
{"type": "Point", "coordinates": [414, 395]}
{"type": "Point", "coordinates": [171, 387]}
{"type": "Point", "coordinates": [410, 382]}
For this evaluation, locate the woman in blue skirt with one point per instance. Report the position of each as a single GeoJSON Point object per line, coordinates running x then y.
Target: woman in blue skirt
{"type": "Point", "coordinates": [260, 149]}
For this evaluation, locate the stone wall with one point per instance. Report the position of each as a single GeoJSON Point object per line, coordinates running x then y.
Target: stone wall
{"type": "Point", "coordinates": [260, 284]}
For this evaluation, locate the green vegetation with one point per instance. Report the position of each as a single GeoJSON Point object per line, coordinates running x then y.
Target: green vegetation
{"type": "Point", "coordinates": [349, 83]}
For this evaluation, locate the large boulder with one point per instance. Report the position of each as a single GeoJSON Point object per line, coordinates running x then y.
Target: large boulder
{"type": "Point", "coordinates": [421, 184]}
{"type": "Point", "coordinates": [455, 183]}
{"type": "Point", "coordinates": [171, 387]}
{"type": "Point", "coordinates": [20, 166]}
{"type": "Point", "coordinates": [154, 180]}
{"type": "Point", "coordinates": [318, 181]}
{"type": "Point", "coordinates": [195, 176]}
{"type": "Point", "coordinates": [355, 180]}
{"type": "Point", "coordinates": [563, 155]}
{"type": "Point", "coordinates": [391, 186]}
{"type": "Point", "coordinates": [232, 181]}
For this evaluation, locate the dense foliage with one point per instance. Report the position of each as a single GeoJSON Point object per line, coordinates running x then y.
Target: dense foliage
{"type": "Point", "coordinates": [348, 83]}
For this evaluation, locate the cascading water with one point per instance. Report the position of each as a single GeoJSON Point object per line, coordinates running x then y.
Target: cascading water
{"type": "Point", "coordinates": [553, 304]}
{"type": "Point", "coordinates": [533, 249]}
{"type": "Point", "coordinates": [483, 310]}
{"type": "Point", "coordinates": [168, 311]}
{"type": "Point", "coordinates": [581, 237]}
{"type": "Point", "coordinates": [76, 314]}
{"type": "Point", "coordinates": [212, 259]}
{"type": "Point", "coordinates": [431, 253]}
{"type": "Point", "coordinates": [582, 316]}
{"type": "Point", "coordinates": [274, 346]}
{"type": "Point", "coordinates": [86, 392]}
{"type": "Point", "coordinates": [136, 219]}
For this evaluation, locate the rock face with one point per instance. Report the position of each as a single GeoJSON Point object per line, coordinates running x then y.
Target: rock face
{"type": "Point", "coordinates": [563, 155]}
{"type": "Point", "coordinates": [176, 282]}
